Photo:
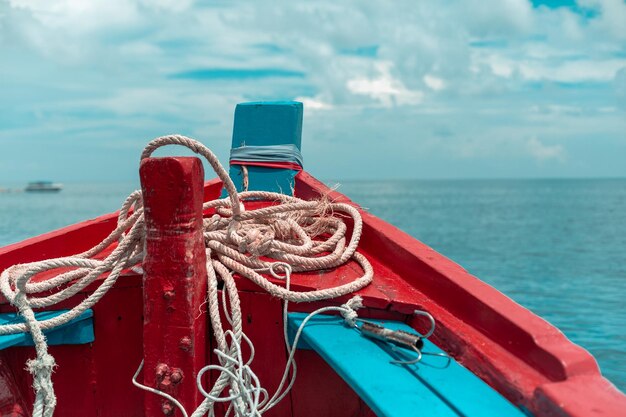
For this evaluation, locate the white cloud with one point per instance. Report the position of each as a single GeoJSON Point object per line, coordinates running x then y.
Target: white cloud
{"type": "Point", "coordinates": [542, 152]}
{"type": "Point", "coordinates": [77, 16]}
{"type": "Point", "coordinates": [314, 103]}
{"type": "Point", "coordinates": [434, 83]}
{"type": "Point", "coordinates": [384, 87]}
{"type": "Point", "coordinates": [573, 71]}
{"type": "Point", "coordinates": [498, 17]}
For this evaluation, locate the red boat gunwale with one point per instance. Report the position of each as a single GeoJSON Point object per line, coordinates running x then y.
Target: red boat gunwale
{"type": "Point", "coordinates": [522, 356]}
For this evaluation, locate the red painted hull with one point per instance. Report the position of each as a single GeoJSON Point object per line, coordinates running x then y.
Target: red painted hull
{"type": "Point", "coordinates": [522, 356]}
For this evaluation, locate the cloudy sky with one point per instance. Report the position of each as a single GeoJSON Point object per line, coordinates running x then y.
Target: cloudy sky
{"type": "Point", "coordinates": [454, 89]}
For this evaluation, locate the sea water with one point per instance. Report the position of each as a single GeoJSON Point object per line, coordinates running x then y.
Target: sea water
{"type": "Point", "coordinates": [558, 247]}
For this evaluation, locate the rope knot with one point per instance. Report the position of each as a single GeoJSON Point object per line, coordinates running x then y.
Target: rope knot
{"type": "Point", "coordinates": [41, 366]}
{"type": "Point", "coordinates": [348, 311]}
{"type": "Point", "coordinates": [257, 241]}
{"type": "Point", "coordinates": [282, 229]}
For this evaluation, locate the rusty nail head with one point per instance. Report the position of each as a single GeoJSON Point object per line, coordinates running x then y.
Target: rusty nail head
{"type": "Point", "coordinates": [162, 370]}
{"type": "Point", "coordinates": [185, 343]}
{"type": "Point", "coordinates": [176, 376]}
{"type": "Point", "coordinates": [167, 408]}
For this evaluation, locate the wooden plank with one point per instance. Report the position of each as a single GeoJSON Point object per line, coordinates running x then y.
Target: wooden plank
{"type": "Point", "coordinates": [429, 387]}
{"type": "Point", "coordinates": [263, 324]}
{"type": "Point", "coordinates": [119, 336]}
{"type": "Point", "coordinates": [319, 391]}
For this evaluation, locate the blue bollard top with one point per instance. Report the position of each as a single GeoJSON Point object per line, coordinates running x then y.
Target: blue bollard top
{"type": "Point", "coordinates": [268, 124]}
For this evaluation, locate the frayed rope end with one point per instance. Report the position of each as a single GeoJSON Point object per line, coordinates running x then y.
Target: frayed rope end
{"type": "Point", "coordinates": [349, 313]}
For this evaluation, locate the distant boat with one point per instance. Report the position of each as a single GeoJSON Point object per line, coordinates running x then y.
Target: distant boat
{"type": "Point", "coordinates": [43, 186]}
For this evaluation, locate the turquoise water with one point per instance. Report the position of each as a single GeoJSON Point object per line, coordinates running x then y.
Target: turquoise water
{"type": "Point", "coordinates": [557, 247]}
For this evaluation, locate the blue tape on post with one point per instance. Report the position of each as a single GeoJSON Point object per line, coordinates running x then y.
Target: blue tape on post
{"type": "Point", "coordinates": [428, 388]}
{"type": "Point", "coordinates": [75, 332]}
{"type": "Point", "coordinates": [261, 124]}
{"type": "Point", "coordinates": [270, 153]}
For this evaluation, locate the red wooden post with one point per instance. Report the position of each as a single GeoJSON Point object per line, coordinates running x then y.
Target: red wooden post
{"type": "Point", "coordinates": [174, 283]}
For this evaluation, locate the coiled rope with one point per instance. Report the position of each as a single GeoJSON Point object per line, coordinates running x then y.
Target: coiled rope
{"type": "Point", "coordinates": [295, 234]}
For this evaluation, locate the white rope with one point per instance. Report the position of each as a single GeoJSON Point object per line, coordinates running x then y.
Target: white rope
{"type": "Point", "coordinates": [157, 392]}
{"type": "Point", "coordinates": [292, 233]}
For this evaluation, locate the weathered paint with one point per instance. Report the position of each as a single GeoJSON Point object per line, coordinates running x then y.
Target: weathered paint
{"type": "Point", "coordinates": [175, 281]}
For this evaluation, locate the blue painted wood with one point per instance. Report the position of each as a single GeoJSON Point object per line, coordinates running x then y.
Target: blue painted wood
{"type": "Point", "coordinates": [429, 388]}
{"type": "Point", "coordinates": [262, 124]}
{"type": "Point", "coordinates": [75, 332]}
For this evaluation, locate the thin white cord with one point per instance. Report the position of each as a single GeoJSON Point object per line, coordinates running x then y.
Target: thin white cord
{"type": "Point", "coordinates": [156, 391]}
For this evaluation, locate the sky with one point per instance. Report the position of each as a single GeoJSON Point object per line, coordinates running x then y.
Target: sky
{"type": "Point", "coordinates": [402, 89]}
